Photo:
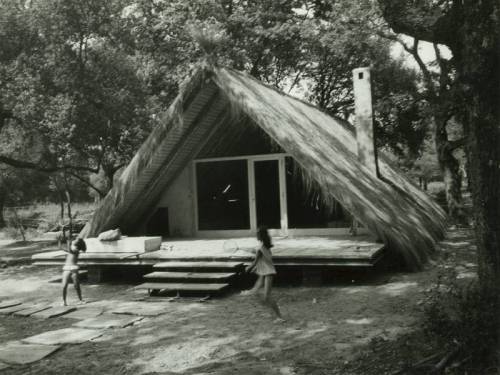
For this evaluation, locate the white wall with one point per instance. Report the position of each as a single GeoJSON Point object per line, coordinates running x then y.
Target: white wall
{"type": "Point", "coordinates": [178, 197]}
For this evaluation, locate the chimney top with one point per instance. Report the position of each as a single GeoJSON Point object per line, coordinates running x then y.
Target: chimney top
{"type": "Point", "coordinates": [367, 153]}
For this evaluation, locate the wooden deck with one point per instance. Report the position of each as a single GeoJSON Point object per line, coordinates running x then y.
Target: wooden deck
{"type": "Point", "coordinates": [347, 251]}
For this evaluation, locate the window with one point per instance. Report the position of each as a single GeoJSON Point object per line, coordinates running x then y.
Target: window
{"type": "Point", "coordinates": [222, 188]}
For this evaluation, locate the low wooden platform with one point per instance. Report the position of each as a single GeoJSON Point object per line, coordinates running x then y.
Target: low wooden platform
{"type": "Point", "coordinates": [194, 287]}
{"type": "Point", "coordinates": [189, 275]}
{"type": "Point", "coordinates": [338, 251]}
{"type": "Point", "coordinates": [195, 264]}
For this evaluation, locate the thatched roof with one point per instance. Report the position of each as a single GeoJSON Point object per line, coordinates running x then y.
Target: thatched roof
{"type": "Point", "coordinates": [391, 207]}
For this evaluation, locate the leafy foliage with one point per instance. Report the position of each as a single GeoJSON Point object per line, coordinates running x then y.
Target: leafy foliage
{"type": "Point", "coordinates": [91, 79]}
{"type": "Point", "coordinates": [76, 88]}
{"type": "Point", "coordinates": [462, 315]}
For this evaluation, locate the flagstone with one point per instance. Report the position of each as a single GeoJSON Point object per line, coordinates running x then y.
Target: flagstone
{"type": "Point", "coordinates": [82, 313]}
{"type": "Point", "coordinates": [10, 303]}
{"type": "Point", "coordinates": [64, 336]}
{"type": "Point", "coordinates": [18, 353]}
{"type": "Point", "coordinates": [141, 308]}
{"type": "Point", "coordinates": [12, 309]}
{"type": "Point", "coordinates": [27, 311]}
{"type": "Point", "coordinates": [108, 321]}
{"type": "Point", "coordinates": [54, 311]}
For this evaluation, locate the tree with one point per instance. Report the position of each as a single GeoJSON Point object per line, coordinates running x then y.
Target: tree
{"type": "Point", "coordinates": [433, 100]}
{"type": "Point", "coordinates": [262, 37]}
{"type": "Point", "coordinates": [74, 86]}
{"type": "Point", "coordinates": [471, 29]}
{"type": "Point", "coordinates": [440, 94]}
{"type": "Point", "coordinates": [336, 42]}
{"type": "Point", "coordinates": [24, 186]}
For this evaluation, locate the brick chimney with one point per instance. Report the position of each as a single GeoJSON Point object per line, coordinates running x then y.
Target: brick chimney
{"type": "Point", "coordinates": [367, 152]}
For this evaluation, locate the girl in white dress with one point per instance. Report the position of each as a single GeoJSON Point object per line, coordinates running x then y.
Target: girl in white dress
{"type": "Point", "coordinates": [263, 266]}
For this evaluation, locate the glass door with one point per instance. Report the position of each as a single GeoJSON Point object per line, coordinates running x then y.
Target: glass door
{"type": "Point", "coordinates": [267, 193]}
{"type": "Point", "coordinates": [222, 195]}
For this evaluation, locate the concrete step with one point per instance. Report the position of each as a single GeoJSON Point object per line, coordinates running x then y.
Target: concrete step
{"type": "Point", "coordinates": [197, 265]}
{"type": "Point", "coordinates": [183, 287]}
{"type": "Point", "coordinates": [190, 275]}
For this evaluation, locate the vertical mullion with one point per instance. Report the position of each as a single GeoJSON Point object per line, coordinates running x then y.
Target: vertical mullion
{"type": "Point", "coordinates": [195, 197]}
{"type": "Point", "coordinates": [251, 195]}
{"type": "Point", "coordinates": [283, 197]}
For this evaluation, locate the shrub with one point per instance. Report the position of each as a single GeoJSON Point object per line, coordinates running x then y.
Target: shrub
{"type": "Point", "coordinates": [463, 315]}
{"type": "Point", "coordinates": [11, 232]}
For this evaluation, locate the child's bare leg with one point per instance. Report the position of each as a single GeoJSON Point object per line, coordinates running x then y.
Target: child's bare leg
{"type": "Point", "coordinates": [258, 284]}
{"type": "Point", "coordinates": [65, 281]}
{"type": "Point", "coordinates": [268, 300]}
{"type": "Point", "coordinates": [76, 283]}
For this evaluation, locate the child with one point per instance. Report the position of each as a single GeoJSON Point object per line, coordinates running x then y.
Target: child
{"type": "Point", "coordinates": [70, 268]}
{"type": "Point", "coordinates": [264, 268]}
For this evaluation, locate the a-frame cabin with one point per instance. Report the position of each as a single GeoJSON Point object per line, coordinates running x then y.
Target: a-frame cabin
{"type": "Point", "coordinates": [232, 154]}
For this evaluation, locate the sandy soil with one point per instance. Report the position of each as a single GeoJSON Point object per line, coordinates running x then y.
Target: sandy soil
{"type": "Point", "coordinates": [328, 328]}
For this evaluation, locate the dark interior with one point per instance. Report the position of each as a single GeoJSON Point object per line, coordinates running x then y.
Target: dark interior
{"type": "Point", "coordinates": [157, 224]}
{"type": "Point", "coordinates": [267, 193]}
{"type": "Point", "coordinates": [239, 140]}
{"type": "Point", "coordinates": [305, 204]}
{"type": "Point", "coordinates": [222, 195]}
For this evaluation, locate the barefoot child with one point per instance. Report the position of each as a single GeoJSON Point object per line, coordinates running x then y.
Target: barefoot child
{"type": "Point", "coordinates": [264, 268]}
{"type": "Point", "coordinates": [70, 268]}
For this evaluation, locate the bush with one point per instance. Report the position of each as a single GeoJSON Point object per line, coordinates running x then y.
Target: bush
{"type": "Point", "coordinates": [463, 316]}
{"type": "Point", "coordinates": [440, 198]}
{"type": "Point", "coordinates": [11, 232]}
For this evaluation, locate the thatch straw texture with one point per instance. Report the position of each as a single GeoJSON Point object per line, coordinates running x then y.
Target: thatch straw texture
{"type": "Point", "coordinates": [395, 210]}
{"type": "Point", "coordinates": [392, 208]}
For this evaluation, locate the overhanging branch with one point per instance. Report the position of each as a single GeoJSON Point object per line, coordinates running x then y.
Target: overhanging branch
{"type": "Point", "coordinates": [424, 20]}
{"type": "Point", "coordinates": [21, 164]}
{"type": "Point", "coordinates": [88, 183]}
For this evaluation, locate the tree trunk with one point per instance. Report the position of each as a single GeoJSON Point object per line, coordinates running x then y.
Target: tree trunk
{"type": "Point", "coordinates": [471, 29]}
{"type": "Point", "coordinates": [109, 176]}
{"type": "Point", "coordinates": [483, 151]}
{"type": "Point", "coordinates": [109, 173]}
{"type": "Point", "coordinates": [70, 217]}
{"type": "Point", "coordinates": [478, 73]}
{"type": "Point", "coordinates": [450, 167]}
{"type": "Point", "coordinates": [62, 238]}
{"type": "Point", "coordinates": [3, 197]}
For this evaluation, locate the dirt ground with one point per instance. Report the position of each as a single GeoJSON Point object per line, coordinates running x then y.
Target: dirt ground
{"type": "Point", "coordinates": [339, 328]}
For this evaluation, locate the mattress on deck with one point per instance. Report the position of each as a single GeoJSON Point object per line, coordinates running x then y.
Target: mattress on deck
{"type": "Point", "coordinates": [124, 245]}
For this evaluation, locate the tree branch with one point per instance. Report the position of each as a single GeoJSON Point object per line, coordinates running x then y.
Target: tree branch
{"type": "Point", "coordinates": [457, 143]}
{"type": "Point", "coordinates": [47, 169]}
{"type": "Point", "coordinates": [88, 183]}
{"type": "Point", "coordinates": [424, 20]}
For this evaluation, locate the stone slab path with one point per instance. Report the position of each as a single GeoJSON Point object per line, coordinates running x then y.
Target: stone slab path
{"type": "Point", "coordinates": [92, 321]}
{"type": "Point", "coordinates": [84, 313]}
{"type": "Point", "coordinates": [9, 303]}
{"type": "Point", "coordinates": [30, 310]}
{"type": "Point", "coordinates": [18, 353]}
{"type": "Point", "coordinates": [64, 336]}
{"type": "Point", "coordinates": [108, 321]}
{"type": "Point", "coordinates": [141, 308]}
{"type": "Point", "coordinates": [54, 311]}
{"type": "Point", "coordinates": [12, 309]}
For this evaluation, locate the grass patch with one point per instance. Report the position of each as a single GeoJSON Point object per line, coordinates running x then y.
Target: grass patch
{"type": "Point", "coordinates": [41, 217]}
